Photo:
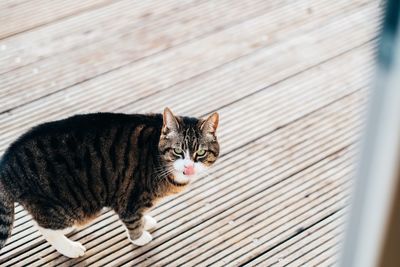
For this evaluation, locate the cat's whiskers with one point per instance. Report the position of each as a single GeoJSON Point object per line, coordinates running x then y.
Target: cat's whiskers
{"type": "Point", "coordinates": [160, 175]}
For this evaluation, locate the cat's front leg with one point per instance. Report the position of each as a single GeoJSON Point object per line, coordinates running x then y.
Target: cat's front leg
{"type": "Point", "coordinates": [135, 226]}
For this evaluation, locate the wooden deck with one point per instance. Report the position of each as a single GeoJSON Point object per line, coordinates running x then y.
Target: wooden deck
{"type": "Point", "coordinates": [289, 79]}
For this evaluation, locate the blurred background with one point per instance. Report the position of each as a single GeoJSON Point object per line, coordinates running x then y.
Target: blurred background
{"type": "Point", "coordinates": [290, 80]}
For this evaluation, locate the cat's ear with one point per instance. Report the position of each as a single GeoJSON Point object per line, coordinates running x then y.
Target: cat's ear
{"type": "Point", "coordinates": [170, 123]}
{"type": "Point", "coordinates": [210, 125]}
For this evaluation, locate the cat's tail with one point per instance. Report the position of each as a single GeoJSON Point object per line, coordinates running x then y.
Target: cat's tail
{"type": "Point", "coordinates": [6, 218]}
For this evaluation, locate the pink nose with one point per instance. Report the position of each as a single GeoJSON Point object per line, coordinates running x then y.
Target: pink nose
{"type": "Point", "coordinates": [189, 169]}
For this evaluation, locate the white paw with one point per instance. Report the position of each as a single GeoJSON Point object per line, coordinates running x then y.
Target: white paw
{"type": "Point", "coordinates": [149, 222]}
{"type": "Point", "coordinates": [71, 249]}
{"type": "Point", "coordinates": [143, 239]}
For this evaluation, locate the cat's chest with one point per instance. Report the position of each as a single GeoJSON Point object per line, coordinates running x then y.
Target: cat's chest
{"type": "Point", "coordinates": [165, 191]}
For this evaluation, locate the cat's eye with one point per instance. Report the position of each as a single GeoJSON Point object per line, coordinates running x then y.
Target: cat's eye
{"type": "Point", "coordinates": [178, 151]}
{"type": "Point", "coordinates": [200, 152]}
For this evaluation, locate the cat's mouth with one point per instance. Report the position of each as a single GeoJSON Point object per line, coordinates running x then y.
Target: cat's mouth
{"type": "Point", "coordinates": [183, 177]}
{"type": "Point", "coordinates": [173, 181]}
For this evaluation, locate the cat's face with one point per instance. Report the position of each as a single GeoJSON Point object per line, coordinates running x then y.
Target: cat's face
{"type": "Point", "coordinates": [188, 146]}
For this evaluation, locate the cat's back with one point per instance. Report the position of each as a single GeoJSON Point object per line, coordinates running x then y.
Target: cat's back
{"type": "Point", "coordinates": [90, 122]}
{"type": "Point", "coordinates": [76, 128]}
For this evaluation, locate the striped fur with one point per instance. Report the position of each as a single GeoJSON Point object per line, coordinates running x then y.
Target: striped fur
{"type": "Point", "coordinates": [6, 217]}
{"type": "Point", "coordinates": [65, 172]}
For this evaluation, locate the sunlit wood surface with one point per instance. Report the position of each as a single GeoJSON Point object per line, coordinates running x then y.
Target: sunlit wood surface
{"type": "Point", "coordinates": [289, 79]}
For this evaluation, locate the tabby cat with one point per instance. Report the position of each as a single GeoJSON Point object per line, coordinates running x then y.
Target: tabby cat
{"type": "Point", "coordinates": [64, 172]}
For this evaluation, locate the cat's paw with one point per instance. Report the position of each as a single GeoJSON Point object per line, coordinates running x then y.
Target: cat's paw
{"type": "Point", "coordinates": [143, 239]}
{"type": "Point", "coordinates": [149, 222]}
{"type": "Point", "coordinates": [71, 249]}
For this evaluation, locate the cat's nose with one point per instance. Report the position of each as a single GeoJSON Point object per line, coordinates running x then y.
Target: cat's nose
{"type": "Point", "coordinates": [189, 169]}
{"type": "Point", "coordinates": [189, 165]}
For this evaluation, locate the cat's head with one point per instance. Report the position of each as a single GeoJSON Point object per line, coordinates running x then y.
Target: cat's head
{"type": "Point", "coordinates": [188, 146]}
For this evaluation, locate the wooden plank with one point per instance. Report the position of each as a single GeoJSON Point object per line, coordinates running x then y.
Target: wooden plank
{"type": "Point", "coordinates": [318, 254]}
{"type": "Point", "coordinates": [144, 19]}
{"type": "Point", "coordinates": [11, 3]}
{"type": "Point", "coordinates": [316, 211]}
{"type": "Point", "coordinates": [321, 243]}
{"type": "Point", "coordinates": [7, 4]}
{"type": "Point", "coordinates": [94, 95]}
{"type": "Point", "coordinates": [30, 84]}
{"type": "Point", "coordinates": [164, 30]}
{"type": "Point", "coordinates": [330, 254]}
{"type": "Point", "coordinates": [110, 22]}
{"type": "Point", "coordinates": [27, 15]}
{"type": "Point", "coordinates": [278, 255]}
{"type": "Point", "coordinates": [331, 261]}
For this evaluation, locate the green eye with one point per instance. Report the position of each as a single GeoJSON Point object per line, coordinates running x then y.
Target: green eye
{"type": "Point", "coordinates": [177, 150]}
{"type": "Point", "coordinates": [201, 152]}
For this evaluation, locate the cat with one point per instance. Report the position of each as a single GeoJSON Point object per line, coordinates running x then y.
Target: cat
{"type": "Point", "coordinates": [65, 172]}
